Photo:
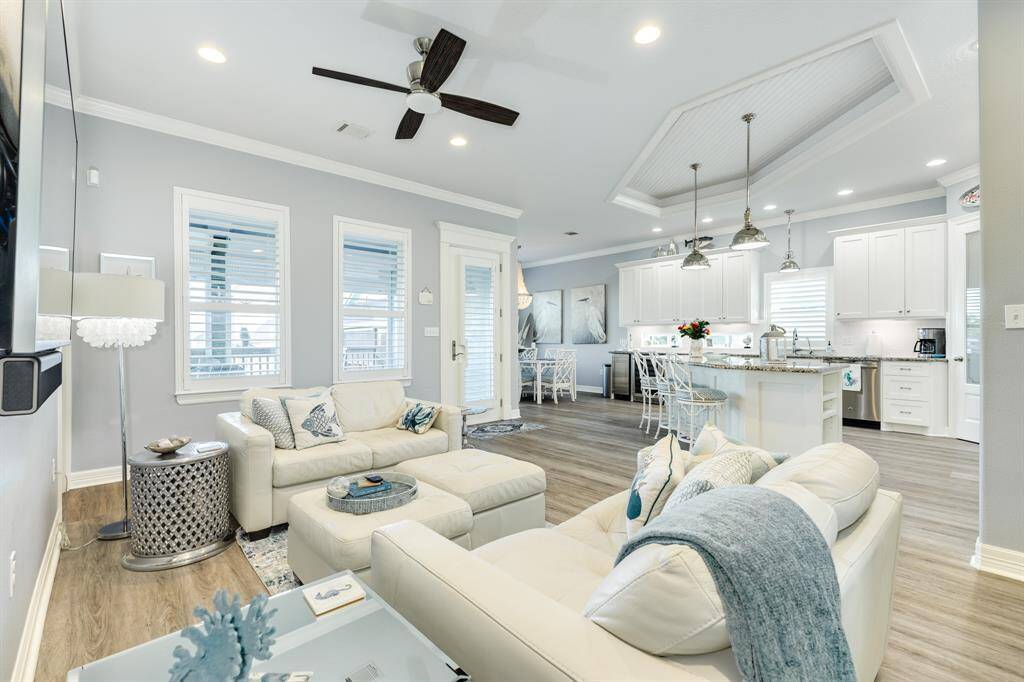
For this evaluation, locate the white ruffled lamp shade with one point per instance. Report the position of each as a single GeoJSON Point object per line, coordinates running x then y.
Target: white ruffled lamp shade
{"type": "Point", "coordinates": [117, 310]}
{"type": "Point", "coordinates": [523, 297]}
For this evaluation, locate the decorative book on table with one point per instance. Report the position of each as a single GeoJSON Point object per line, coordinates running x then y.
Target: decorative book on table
{"type": "Point", "coordinates": [333, 594]}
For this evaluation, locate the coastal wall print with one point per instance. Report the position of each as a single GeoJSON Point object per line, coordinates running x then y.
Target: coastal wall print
{"type": "Point", "coordinates": [588, 321]}
{"type": "Point", "coordinates": [547, 316]}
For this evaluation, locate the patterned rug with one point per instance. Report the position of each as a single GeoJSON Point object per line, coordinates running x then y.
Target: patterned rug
{"type": "Point", "coordinates": [495, 429]}
{"type": "Point", "coordinates": [269, 558]}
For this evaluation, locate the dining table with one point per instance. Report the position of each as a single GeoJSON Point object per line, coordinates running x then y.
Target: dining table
{"type": "Point", "coordinates": [538, 365]}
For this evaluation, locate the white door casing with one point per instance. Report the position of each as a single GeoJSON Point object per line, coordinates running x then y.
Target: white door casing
{"type": "Point", "coordinates": [461, 247]}
{"type": "Point", "coordinates": [964, 307]}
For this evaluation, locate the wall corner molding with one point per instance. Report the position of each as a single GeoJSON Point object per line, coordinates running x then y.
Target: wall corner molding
{"type": "Point", "coordinates": [1008, 563]}
{"type": "Point", "coordinates": [32, 632]}
{"type": "Point", "coordinates": [972, 171]}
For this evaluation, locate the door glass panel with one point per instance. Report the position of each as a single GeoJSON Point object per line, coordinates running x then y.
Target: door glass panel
{"type": "Point", "coordinates": [972, 308]}
{"type": "Point", "coordinates": [478, 325]}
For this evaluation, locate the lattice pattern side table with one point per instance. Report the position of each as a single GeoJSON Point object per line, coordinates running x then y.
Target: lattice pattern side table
{"type": "Point", "coordinates": [180, 507]}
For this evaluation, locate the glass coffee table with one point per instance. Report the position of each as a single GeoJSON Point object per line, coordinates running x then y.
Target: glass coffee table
{"type": "Point", "coordinates": [365, 640]}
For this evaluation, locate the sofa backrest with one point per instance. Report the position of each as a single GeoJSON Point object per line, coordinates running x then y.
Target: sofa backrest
{"type": "Point", "coordinates": [369, 405]}
{"type": "Point", "coordinates": [245, 402]}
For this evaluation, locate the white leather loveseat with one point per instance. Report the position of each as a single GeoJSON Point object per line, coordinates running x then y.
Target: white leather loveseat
{"type": "Point", "coordinates": [517, 607]}
{"type": "Point", "coordinates": [264, 478]}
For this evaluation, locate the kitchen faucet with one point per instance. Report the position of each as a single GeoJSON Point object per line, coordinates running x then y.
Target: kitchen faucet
{"type": "Point", "coordinates": [796, 337]}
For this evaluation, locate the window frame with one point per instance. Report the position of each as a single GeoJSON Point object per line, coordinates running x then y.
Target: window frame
{"type": "Point", "coordinates": [191, 391]}
{"type": "Point", "coordinates": [343, 226]}
{"type": "Point", "coordinates": [803, 273]}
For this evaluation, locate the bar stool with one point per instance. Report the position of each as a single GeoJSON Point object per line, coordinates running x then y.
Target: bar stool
{"type": "Point", "coordinates": [666, 394]}
{"type": "Point", "coordinates": [694, 402]}
{"type": "Point", "coordinates": [648, 389]}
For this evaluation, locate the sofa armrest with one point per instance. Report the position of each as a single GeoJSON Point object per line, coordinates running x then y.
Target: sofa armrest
{"type": "Point", "coordinates": [449, 421]}
{"type": "Point", "coordinates": [494, 626]}
{"type": "Point", "coordinates": [251, 454]}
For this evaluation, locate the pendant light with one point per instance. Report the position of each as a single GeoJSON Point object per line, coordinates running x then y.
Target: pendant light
{"type": "Point", "coordinates": [789, 265]}
{"type": "Point", "coordinates": [749, 237]}
{"type": "Point", "coordinates": [695, 260]}
{"type": "Point", "coordinates": [523, 296]}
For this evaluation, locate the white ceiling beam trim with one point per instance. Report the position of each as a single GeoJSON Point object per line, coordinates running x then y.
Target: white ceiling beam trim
{"type": "Point", "coordinates": [968, 173]}
{"type": "Point", "coordinates": [191, 131]}
{"type": "Point", "coordinates": [883, 202]}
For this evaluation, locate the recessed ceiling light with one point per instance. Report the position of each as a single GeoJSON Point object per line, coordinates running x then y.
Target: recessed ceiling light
{"type": "Point", "coordinates": [655, 229]}
{"type": "Point", "coordinates": [212, 54]}
{"type": "Point", "coordinates": [647, 35]}
{"type": "Point", "coordinates": [935, 162]}
{"type": "Point", "coordinates": [707, 219]}
{"type": "Point", "coordinates": [458, 141]}
{"type": "Point", "coordinates": [570, 233]}
{"type": "Point", "coordinates": [844, 192]}
{"type": "Point", "coordinates": [770, 207]}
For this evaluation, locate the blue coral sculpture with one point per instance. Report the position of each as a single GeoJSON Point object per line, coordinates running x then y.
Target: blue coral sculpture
{"type": "Point", "coordinates": [226, 651]}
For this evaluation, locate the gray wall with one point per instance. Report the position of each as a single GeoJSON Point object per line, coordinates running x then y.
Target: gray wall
{"type": "Point", "coordinates": [1001, 37]}
{"type": "Point", "coordinates": [812, 245]}
{"type": "Point", "coordinates": [131, 212]}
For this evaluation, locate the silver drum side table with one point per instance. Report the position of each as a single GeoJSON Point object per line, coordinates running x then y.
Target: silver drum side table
{"type": "Point", "coordinates": [180, 507]}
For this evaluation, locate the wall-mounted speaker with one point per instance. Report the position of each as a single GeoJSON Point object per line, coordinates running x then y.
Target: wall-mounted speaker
{"type": "Point", "coordinates": [27, 380]}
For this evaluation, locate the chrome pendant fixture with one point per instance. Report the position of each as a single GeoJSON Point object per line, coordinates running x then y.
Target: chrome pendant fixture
{"type": "Point", "coordinates": [749, 237]}
{"type": "Point", "coordinates": [695, 260]}
{"type": "Point", "coordinates": [789, 265]}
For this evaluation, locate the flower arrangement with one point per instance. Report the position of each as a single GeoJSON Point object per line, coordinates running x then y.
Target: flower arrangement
{"type": "Point", "coordinates": [696, 329]}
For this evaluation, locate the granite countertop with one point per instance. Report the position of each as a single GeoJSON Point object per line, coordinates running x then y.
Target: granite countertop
{"type": "Point", "coordinates": [750, 353]}
{"type": "Point", "coordinates": [794, 366]}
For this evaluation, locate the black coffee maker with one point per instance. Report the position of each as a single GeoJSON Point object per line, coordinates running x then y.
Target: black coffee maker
{"type": "Point", "coordinates": [931, 342]}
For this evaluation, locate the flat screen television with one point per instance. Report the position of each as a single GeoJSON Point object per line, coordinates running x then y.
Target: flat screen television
{"type": "Point", "coordinates": [11, 21]}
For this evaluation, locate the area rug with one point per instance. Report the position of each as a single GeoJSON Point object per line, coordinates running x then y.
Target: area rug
{"type": "Point", "coordinates": [495, 429]}
{"type": "Point", "coordinates": [269, 558]}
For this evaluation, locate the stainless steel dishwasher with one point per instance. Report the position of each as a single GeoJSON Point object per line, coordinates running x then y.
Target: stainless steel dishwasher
{"type": "Point", "coordinates": [864, 405]}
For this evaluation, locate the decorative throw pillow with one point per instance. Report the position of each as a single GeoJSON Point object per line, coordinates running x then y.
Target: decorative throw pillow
{"type": "Point", "coordinates": [271, 415]}
{"type": "Point", "coordinates": [761, 461]}
{"type": "Point", "coordinates": [709, 441]}
{"type": "Point", "coordinates": [659, 469]}
{"type": "Point", "coordinates": [730, 468]}
{"type": "Point", "coordinates": [418, 418]}
{"type": "Point", "coordinates": [314, 420]}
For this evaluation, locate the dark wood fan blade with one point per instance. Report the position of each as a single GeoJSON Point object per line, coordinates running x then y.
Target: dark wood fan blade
{"type": "Point", "coordinates": [479, 109]}
{"type": "Point", "coordinates": [444, 54]}
{"type": "Point", "coordinates": [359, 80]}
{"type": "Point", "coordinates": [409, 124]}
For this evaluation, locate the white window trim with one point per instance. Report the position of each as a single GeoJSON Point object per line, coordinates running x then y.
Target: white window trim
{"type": "Point", "coordinates": [804, 273]}
{"type": "Point", "coordinates": [376, 230]}
{"type": "Point", "coordinates": [211, 391]}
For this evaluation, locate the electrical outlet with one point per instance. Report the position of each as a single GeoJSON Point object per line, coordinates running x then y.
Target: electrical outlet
{"type": "Point", "coordinates": [53, 470]}
{"type": "Point", "coordinates": [13, 574]}
{"type": "Point", "coordinates": [1014, 316]}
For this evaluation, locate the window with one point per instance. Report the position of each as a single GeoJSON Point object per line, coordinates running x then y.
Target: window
{"type": "Point", "coordinates": [371, 296]}
{"type": "Point", "coordinates": [801, 301]}
{"type": "Point", "coordinates": [231, 295]}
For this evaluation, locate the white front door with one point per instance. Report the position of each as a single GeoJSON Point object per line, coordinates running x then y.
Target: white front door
{"type": "Point", "coordinates": [963, 342]}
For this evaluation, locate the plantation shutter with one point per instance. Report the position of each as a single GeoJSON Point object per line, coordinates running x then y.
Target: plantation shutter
{"type": "Point", "coordinates": [800, 301]}
{"type": "Point", "coordinates": [478, 322]}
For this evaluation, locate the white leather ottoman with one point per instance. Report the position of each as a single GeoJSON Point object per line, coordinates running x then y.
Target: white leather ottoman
{"type": "Point", "coordinates": [322, 541]}
{"type": "Point", "coordinates": [505, 494]}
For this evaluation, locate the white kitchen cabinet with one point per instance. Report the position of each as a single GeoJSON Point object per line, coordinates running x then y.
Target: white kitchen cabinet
{"type": "Point", "coordinates": [914, 397]}
{"type": "Point", "coordinates": [629, 296]}
{"type": "Point", "coordinates": [735, 287]}
{"type": "Point", "coordinates": [885, 274]}
{"type": "Point", "coordinates": [668, 291]}
{"type": "Point", "coordinates": [925, 271]}
{"type": "Point", "coordinates": [712, 307]}
{"type": "Point", "coordinates": [850, 273]}
{"type": "Point", "coordinates": [650, 302]}
{"type": "Point", "coordinates": [691, 293]}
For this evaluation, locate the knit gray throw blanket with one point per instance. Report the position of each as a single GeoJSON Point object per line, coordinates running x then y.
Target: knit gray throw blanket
{"type": "Point", "coordinates": [775, 576]}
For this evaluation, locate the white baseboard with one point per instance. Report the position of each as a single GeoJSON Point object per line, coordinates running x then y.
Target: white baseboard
{"type": "Point", "coordinates": [1008, 563]}
{"type": "Point", "coordinates": [84, 479]}
{"type": "Point", "coordinates": [35, 618]}
{"type": "Point", "coordinates": [588, 389]}
{"type": "Point", "coordinates": [515, 414]}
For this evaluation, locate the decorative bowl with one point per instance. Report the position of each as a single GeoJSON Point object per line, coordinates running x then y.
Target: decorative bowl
{"type": "Point", "coordinates": [165, 446]}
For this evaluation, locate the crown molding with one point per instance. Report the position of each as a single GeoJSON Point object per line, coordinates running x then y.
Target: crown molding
{"type": "Point", "coordinates": [192, 131]}
{"type": "Point", "coordinates": [968, 173]}
{"type": "Point", "coordinates": [883, 202]}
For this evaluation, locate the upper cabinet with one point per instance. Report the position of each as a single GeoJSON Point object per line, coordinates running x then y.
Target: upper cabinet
{"type": "Point", "coordinates": [891, 273]}
{"type": "Point", "coordinates": [661, 292]}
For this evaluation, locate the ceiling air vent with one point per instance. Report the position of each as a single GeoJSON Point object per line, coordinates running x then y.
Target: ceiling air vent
{"type": "Point", "coordinates": [354, 130]}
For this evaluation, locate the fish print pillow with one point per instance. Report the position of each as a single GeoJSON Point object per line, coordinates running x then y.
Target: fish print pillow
{"type": "Point", "coordinates": [658, 470]}
{"type": "Point", "coordinates": [314, 420]}
{"type": "Point", "coordinates": [418, 418]}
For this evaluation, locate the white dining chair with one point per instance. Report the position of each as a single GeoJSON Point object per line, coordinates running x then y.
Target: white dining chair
{"type": "Point", "coordinates": [561, 378]}
{"type": "Point", "coordinates": [527, 370]}
{"type": "Point", "coordinates": [564, 353]}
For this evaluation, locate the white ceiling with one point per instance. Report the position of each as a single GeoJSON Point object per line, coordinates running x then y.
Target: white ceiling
{"type": "Point", "coordinates": [589, 97]}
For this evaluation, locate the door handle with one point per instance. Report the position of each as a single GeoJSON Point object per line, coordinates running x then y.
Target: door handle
{"type": "Point", "coordinates": [958, 358]}
{"type": "Point", "coordinates": [455, 355]}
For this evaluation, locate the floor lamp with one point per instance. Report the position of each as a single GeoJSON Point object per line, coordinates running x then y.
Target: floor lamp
{"type": "Point", "coordinates": [117, 311]}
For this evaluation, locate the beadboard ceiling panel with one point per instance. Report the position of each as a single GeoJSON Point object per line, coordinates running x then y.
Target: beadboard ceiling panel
{"type": "Point", "coordinates": [790, 107]}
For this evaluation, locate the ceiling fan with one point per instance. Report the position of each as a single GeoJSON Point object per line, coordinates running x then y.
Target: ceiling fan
{"type": "Point", "coordinates": [438, 57]}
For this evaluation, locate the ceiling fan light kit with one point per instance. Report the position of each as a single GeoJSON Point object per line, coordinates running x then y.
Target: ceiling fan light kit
{"type": "Point", "coordinates": [749, 237]}
{"type": "Point", "coordinates": [695, 260]}
{"type": "Point", "coordinates": [439, 56]}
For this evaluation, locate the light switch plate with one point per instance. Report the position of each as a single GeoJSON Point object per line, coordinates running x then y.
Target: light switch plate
{"type": "Point", "coordinates": [431, 331]}
{"type": "Point", "coordinates": [1014, 316]}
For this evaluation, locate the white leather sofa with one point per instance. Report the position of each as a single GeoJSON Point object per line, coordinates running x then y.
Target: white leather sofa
{"type": "Point", "coordinates": [515, 608]}
{"type": "Point", "coordinates": [264, 478]}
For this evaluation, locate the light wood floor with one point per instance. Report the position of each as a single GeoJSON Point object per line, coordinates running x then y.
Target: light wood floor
{"type": "Point", "coordinates": [949, 621]}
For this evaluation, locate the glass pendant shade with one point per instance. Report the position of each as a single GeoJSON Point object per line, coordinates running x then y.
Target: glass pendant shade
{"type": "Point", "coordinates": [749, 237]}
{"type": "Point", "coordinates": [695, 260]}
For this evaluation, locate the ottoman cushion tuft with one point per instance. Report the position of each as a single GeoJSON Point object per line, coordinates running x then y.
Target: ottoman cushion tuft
{"type": "Point", "coordinates": [483, 479]}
